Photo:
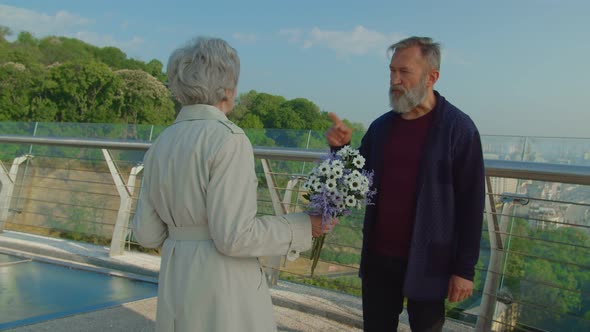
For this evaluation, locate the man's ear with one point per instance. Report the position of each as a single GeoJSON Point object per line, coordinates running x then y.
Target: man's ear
{"type": "Point", "coordinates": [432, 77]}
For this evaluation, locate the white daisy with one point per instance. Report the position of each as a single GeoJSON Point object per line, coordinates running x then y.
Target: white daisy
{"type": "Point", "coordinates": [344, 152]}
{"type": "Point", "coordinates": [358, 161]}
{"type": "Point", "coordinates": [324, 168]}
{"type": "Point", "coordinates": [306, 185]}
{"type": "Point", "coordinates": [331, 185]}
{"type": "Point", "coordinates": [356, 174]}
{"type": "Point", "coordinates": [350, 201]}
{"type": "Point", "coordinates": [316, 186]}
{"type": "Point", "coordinates": [337, 163]}
{"type": "Point", "coordinates": [337, 171]}
{"type": "Point", "coordinates": [354, 184]}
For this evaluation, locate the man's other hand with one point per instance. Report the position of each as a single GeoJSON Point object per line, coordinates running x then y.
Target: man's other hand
{"type": "Point", "coordinates": [459, 289]}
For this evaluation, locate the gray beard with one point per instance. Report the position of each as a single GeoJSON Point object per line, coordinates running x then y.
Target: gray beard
{"type": "Point", "coordinates": [409, 99]}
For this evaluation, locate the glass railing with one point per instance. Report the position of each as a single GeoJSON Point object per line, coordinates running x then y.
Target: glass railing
{"type": "Point", "coordinates": [556, 150]}
{"type": "Point", "coordinates": [572, 151]}
{"type": "Point", "coordinates": [534, 265]}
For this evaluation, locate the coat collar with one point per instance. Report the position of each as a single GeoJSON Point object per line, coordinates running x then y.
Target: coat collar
{"type": "Point", "coordinates": [200, 112]}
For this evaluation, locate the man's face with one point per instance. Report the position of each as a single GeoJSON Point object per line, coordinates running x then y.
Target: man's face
{"type": "Point", "coordinates": [407, 80]}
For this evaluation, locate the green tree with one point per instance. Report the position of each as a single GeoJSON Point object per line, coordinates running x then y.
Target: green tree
{"type": "Point", "coordinates": [83, 91]}
{"type": "Point", "coordinates": [543, 271]}
{"type": "Point", "coordinates": [309, 113]}
{"type": "Point", "coordinates": [112, 56]}
{"type": "Point", "coordinates": [154, 68]}
{"type": "Point", "coordinates": [251, 121]}
{"type": "Point", "coordinates": [62, 49]}
{"type": "Point", "coordinates": [134, 64]}
{"type": "Point", "coordinates": [26, 38]}
{"type": "Point", "coordinates": [4, 32]}
{"type": "Point", "coordinates": [557, 300]}
{"type": "Point", "coordinates": [144, 99]}
{"type": "Point", "coordinates": [42, 110]}
{"type": "Point", "coordinates": [283, 117]}
{"type": "Point", "coordinates": [15, 88]}
{"type": "Point", "coordinates": [266, 106]}
{"type": "Point", "coordinates": [242, 108]}
{"type": "Point", "coordinates": [21, 96]}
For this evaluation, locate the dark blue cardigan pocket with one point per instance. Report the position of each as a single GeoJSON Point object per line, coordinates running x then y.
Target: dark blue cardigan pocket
{"type": "Point", "coordinates": [439, 259]}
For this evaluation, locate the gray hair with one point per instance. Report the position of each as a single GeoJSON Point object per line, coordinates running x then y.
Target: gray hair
{"type": "Point", "coordinates": [430, 50]}
{"type": "Point", "coordinates": [201, 71]}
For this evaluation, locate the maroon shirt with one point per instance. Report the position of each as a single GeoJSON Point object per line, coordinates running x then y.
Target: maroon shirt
{"type": "Point", "coordinates": [396, 205]}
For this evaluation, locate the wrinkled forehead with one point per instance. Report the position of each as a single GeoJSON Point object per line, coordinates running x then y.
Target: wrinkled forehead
{"type": "Point", "coordinates": [407, 57]}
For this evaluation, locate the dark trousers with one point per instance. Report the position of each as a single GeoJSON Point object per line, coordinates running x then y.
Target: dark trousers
{"type": "Point", "coordinates": [383, 299]}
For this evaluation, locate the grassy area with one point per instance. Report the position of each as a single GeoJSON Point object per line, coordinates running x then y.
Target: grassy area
{"type": "Point", "coordinates": [346, 284]}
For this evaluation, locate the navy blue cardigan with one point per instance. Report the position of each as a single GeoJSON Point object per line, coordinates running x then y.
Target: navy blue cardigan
{"type": "Point", "coordinates": [450, 200]}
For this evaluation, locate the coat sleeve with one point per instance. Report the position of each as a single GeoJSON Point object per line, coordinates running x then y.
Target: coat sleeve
{"type": "Point", "coordinates": [148, 228]}
{"type": "Point", "coordinates": [232, 209]}
{"type": "Point", "coordinates": [469, 189]}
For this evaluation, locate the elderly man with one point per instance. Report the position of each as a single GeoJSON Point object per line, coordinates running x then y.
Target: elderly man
{"type": "Point", "coordinates": [421, 239]}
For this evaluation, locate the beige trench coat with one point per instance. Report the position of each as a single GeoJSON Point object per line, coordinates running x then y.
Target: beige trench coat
{"type": "Point", "coordinates": [198, 200]}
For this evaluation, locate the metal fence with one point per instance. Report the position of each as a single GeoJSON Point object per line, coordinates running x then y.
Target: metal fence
{"type": "Point", "coordinates": [534, 267]}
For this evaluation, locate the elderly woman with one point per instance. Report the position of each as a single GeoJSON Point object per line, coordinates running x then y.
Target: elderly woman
{"type": "Point", "coordinates": [199, 202]}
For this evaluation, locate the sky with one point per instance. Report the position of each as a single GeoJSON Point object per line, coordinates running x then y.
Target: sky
{"type": "Point", "coordinates": [516, 67]}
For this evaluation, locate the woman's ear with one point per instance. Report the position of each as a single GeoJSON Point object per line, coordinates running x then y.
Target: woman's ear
{"type": "Point", "coordinates": [229, 94]}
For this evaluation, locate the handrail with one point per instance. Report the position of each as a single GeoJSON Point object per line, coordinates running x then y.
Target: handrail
{"type": "Point", "coordinates": [549, 172]}
{"type": "Point", "coordinates": [76, 142]}
{"type": "Point", "coordinates": [496, 168]}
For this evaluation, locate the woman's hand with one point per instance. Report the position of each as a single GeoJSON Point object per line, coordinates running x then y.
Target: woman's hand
{"type": "Point", "coordinates": [316, 225]}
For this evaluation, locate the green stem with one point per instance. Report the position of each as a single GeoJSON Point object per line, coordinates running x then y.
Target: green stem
{"type": "Point", "coordinates": [318, 243]}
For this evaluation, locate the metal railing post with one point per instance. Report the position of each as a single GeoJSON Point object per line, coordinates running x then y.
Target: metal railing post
{"type": "Point", "coordinates": [497, 234]}
{"type": "Point", "coordinates": [8, 180]}
{"type": "Point", "coordinates": [121, 228]}
{"type": "Point", "coordinates": [488, 299]}
{"type": "Point", "coordinates": [273, 263]}
{"type": "Point", "coordinates": [131, 188]}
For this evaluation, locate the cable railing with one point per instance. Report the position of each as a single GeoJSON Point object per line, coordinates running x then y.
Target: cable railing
{"type": "Point", "coordinates": [548, 237]}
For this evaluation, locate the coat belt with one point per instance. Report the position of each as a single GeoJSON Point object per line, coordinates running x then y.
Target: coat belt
{"type": "Point", "coordinates": [189, 233]}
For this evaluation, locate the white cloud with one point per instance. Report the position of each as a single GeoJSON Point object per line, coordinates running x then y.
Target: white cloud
{"type": "Point", "coordinates": [21, 19]}
{"type": "Point", "coordinates": [248, 38]}
{"type": "Point", "coordinates": [107, 40]}
{"type": "Point", "coordinates": [358, 41]}
{"type": "Point", "coordinates": [62, 23]}
{"type": "Point", "coordinates": [293, 35]}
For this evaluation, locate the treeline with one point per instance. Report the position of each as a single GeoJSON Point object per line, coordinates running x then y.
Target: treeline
{"type": "Point", "coordinates": [547, 274]}
{"type": "Point", "coordinates": [60, 79]}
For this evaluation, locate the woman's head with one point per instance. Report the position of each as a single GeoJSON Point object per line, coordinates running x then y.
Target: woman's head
{"type": "Point", "coordinates": [202, 71]}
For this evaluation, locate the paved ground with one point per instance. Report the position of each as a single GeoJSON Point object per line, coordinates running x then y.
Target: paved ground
{"type": "Point", "coordinates": [139, 316]}
{"type": "Point", "coordinates": [298, 308]}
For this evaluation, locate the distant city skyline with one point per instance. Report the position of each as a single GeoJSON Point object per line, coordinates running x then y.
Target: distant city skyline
{"type": "Point", "coordinates": [516, 67]}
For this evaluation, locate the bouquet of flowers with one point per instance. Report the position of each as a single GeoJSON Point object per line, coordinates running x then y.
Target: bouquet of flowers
{"type": "Point", "coordinates": [335, 187]}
